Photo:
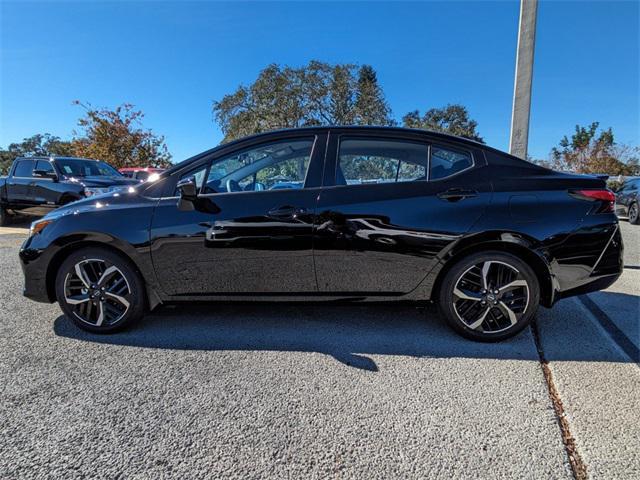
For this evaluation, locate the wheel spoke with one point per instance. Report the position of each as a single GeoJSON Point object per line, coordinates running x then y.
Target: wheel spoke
{"type": "Point", "coordinates": [485, 273]}
{"type": "Point", "coordinates": [512, 285]}
{"type": "Point", "coordinates": [78, 299]}
{"type": "Point", "coordinates": [100, 314]}
{"type": "Point", "coordinates": [123, 301]}
{"type": "Point", "coordinates": [106, 275]}
{"type": "Point", "coordinates": [513, 318]}
{"type": "Point", "coordinates": [475, 325]}
{"type": "Point", "coordinates": [466, 295]}
{"type": "Point", "coordinates": [82, 275]}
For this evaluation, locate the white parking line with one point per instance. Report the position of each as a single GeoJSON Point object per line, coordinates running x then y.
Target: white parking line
{"type": "Point", "coordinates": [13, 231]}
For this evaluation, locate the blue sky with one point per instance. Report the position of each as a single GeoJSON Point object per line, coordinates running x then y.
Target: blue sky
{"type": "Point", "coordinates": [171, 59]}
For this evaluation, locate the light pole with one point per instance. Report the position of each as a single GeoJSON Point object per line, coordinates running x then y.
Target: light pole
{"type": "Point", "coordinates": [524, 73]}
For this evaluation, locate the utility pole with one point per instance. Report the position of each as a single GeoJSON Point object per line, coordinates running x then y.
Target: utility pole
{"type": "Point", "coordinates": [524, 73]}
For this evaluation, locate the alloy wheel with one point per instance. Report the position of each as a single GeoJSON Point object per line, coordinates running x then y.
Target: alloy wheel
{"type": "Point", "coordinates": [633, 213]}
{"type": "Point", "coordinates": [491, 296]}
{"type": "Point", "coordinates": [97, 292]}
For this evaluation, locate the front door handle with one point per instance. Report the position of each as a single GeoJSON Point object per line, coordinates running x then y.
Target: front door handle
{"type": "Point", "coordinates": [456, 194]}
{"type": "Point", "coordinates": [286, 211]}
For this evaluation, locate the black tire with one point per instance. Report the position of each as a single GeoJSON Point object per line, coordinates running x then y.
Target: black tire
{"type": "Point", "coordinates": [634, 214]}
{"type": "Point", "coordinates": [4, 217]}
{"type": "Point", "coordinates": [480, 314]}
{"type": "Point", "coordinates": [100, 306]}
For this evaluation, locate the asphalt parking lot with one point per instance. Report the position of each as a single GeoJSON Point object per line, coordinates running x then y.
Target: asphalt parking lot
{"type": "Point", "coordinates": [288, 391]}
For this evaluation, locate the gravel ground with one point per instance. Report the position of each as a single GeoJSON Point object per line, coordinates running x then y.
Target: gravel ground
{"type": "Point", "coordinates": [314, 390]}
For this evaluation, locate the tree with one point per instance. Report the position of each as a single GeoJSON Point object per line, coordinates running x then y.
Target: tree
{"type": "Point", "coordinates": [315, 94]}
{"type": "Point", "coordinates": [452, 119]}
{"type": "Point", "coordinates": [370, 105]}
{"type": "Point", "coordinates": [116, 137]}
{"type": "Point", "coordinates": [591, 150]}
{"type": "Point", "coordinates": [41, 145]}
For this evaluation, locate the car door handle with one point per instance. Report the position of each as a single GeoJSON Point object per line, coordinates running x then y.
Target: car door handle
{"type": "Point", "coordinates": [456, 194]}
{"type": "Point", "coordinates": [286, 211]}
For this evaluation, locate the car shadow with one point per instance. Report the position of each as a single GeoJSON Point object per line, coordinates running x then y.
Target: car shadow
{"type": "Point", "coordinates": [349, 333]}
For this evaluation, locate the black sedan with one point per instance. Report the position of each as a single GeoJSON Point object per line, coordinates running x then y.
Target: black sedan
{"type": "Point", "coordinates": [627, 200]}
{"type": "Point", "coordinates": [342, 213]}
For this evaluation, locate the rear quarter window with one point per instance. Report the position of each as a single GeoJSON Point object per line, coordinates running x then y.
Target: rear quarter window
{"type": "Point", "coordinates": [446, 162]}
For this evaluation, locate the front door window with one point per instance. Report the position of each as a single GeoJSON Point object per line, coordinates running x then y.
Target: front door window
{"type": "Point", "coordinates": [274, 166]}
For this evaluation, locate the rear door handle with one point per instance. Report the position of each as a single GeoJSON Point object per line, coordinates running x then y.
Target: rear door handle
{"type": "Point", "coordinates": [456, 194]}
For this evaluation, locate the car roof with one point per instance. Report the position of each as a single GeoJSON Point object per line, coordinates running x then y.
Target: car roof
{"type": "Point", "coordinates": [56, 157]}
{"type": "Point", "coordinates": [445, 137]}
{"type": "Point", "coordinates": [139, 169]}
{"type": "Point", "coordinates": [371, 128]}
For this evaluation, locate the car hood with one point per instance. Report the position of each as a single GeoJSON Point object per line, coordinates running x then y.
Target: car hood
{"type": "Point", "coordinates": [113, 200]}
{"type": "Point", "coordinates": [104, 181]}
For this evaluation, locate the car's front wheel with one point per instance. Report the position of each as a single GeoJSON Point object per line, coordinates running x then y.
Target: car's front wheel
{"type": "Point", "coordinates": [99, 290]}
{"type": "Point", "coordinates": [489, 296]}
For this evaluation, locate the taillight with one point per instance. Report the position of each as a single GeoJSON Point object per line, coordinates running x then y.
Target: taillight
{"type": "Point", "coordinates": [605, 197]}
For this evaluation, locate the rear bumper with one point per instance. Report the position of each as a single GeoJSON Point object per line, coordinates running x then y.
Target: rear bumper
{"type": "Point", "coordinates": [606, 268]}
{"type": "Point", "coordinates": [598, 283]}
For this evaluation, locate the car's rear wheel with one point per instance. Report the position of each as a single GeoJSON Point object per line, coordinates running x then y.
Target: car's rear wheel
{"type": "Point", "coordinates": [489, 296]}
{"type": "Point", "coordinates": [634, 214]}
{"type": "Point", "coordinates": [99, 290]}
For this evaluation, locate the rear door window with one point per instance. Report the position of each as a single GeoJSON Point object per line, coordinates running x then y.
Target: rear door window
{"type": "Point", "coordinates": [24, 168]}
{"type": "Point", "coordinates": [365, 160]}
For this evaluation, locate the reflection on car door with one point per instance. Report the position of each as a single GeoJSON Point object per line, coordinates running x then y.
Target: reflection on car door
{"type": "Point", "coordinates": [382, 223]}
{"type": "Point", "coordinates": [42, 190]}
{"type": "Point", "coordinates": [18, 183]}
{"type": "Point", "coordinates": [249, 232]}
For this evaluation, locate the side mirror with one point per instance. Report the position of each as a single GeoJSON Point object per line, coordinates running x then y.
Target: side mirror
{"type": "Point", "coordinates": [188, 193]}
{"type": "Point", "coordinates": [45, 174]}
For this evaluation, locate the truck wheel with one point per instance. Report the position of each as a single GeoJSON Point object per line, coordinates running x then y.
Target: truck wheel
{"type": "Point", "coordinates": [4, 217]}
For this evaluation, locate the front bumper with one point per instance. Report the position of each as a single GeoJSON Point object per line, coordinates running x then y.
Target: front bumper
{"type": "Point", "coordinates": [34, 263]}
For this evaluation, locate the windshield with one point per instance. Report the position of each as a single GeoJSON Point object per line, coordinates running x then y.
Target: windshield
{"type": "Point", "coordinates": [74, 167]}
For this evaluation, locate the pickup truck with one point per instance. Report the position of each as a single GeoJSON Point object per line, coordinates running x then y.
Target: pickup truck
{"type": "Point", "coordinates": [37, 185]}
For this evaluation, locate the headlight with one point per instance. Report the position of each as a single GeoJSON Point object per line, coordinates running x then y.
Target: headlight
{"type": "Point", "coordinates": [38, 225]}
{"type": "Point", "coordinates": [91, 191]}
